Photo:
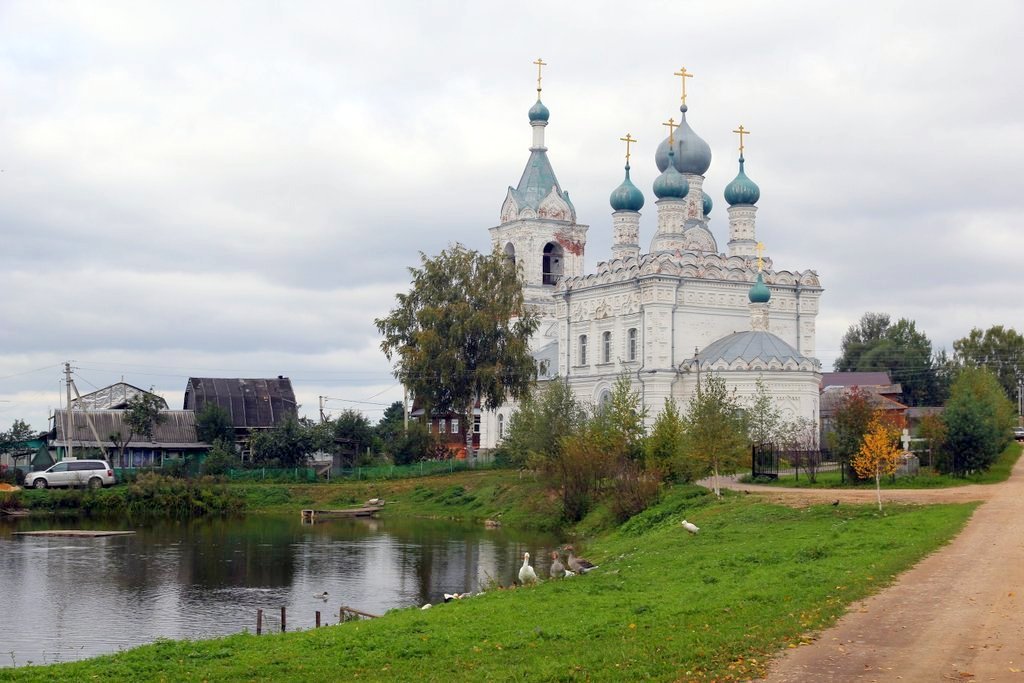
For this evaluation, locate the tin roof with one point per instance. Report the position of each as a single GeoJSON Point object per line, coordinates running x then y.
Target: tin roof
{"type": "Point", "coordinates": [177, 430]}
{"type": "Point", "coordinates": [251, 403]}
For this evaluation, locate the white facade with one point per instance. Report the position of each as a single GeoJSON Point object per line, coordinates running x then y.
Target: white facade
{"type": "Point", "coordinates": [659, 316]}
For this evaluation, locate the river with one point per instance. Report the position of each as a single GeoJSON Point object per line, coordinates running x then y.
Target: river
{"type": "Point", "coordinates": [64, 599]}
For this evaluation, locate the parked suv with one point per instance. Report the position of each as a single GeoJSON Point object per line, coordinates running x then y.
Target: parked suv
{"type": "Point", "coordinates": [1018, 433]}
{"type": "Point", "coordinates": [92, 473]}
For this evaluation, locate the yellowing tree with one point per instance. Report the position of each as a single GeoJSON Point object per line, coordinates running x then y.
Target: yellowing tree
{"type": "Point", "coordinates": [879, 450]}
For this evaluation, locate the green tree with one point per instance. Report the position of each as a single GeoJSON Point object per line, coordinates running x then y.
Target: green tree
{"type": "Point", "coordinates": [539, 425]}
{"type": "Point", "coordinates": [664, 448]}
{"type": "Point", "coordinates": [999, 349]}
{"type": "Point", "coordinates": [979, 422]}
{"type": "Point", "coordinates": [716, 431]}
{"type": "Point", "coordinates": [287, 445]}
{"type": "Point", "coordinates": [619, 422]}
{"type": "Point", "coordinates": [875, 343]}
{"type": "Point", "coordinates": [461, 334]}
{"type": "Point", "coordinates": [142, 416]}
{"type": "Point", "coordinates": [764, 420]}
{"type": "Point", "coordinates": [352, 428]}
{"type": "Point", "coordinates": [221, 459]}
{"type": "Point", "coordinates": [391, 425]}
{"type": "Point", "coordinates": [213, 423]}
{"type": "Point", "coordinates": [20, 431]}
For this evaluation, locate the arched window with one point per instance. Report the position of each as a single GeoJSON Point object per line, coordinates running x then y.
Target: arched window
{"type": "Point", "coordinates": [583, 349]}
{"type": "Point", "coordinates": [631, 344]}
{"type": "Point", "coordinates": [551, 263]}
{"type": "Point", "coordinates": [510, 252]}
{"type": "Point", "coordinates": [603, 400]}
{"type": "Point", "coordinates": [606, 347]}
{"type": "Point", "coordinates": [501, 427]}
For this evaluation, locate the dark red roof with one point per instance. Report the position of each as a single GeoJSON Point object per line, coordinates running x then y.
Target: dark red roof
{"type": "Point", "coordinates": [855, 379]}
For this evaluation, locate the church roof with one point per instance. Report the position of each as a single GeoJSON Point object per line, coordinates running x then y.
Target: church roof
{"type": "Point", "coordinates": [753, 350]}
{"type": "Point", "coordinates": [537, 182]}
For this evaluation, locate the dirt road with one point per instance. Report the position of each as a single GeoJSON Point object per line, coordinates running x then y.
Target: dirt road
{"type": "Point", "coordinates": [958, 615]}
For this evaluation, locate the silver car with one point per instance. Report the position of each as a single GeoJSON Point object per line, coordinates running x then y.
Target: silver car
{"type": "Point", "coordinates": [92, 473]}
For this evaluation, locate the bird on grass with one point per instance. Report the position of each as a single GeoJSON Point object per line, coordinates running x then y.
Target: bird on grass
{"type": "Point", "coordinates": [690, 526]}
{"type": "Point", "coordinates": [578, 564]}
{"type": "Point", "coordinates": [448, 597]}
{"type": "Point", "coordinates": [526, 573]}
{"type": "Point", "coordinates": [835, 503]}
{"type": "Point", "coordinates": [557, 570]}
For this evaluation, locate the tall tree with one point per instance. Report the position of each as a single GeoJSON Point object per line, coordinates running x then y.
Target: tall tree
{"type": "Point", "coordinates": [142, 416]}
{"type": "Point", "coordinates": [19, 431]}
{"type": "Point", "coordinates": [541, 423]}
{"type": "Point", "coordinates": [716, 431]}
{"type": "Point", "coordinates": [979, 422]}
{"type": "Point", "coordinates": [461, 334]}
{"type": "Point", "coordinates": [287, 445]}
{"type": "Point", "coordinates": [664, 448]}
{"type": "Point", "coordinates": [764, 420]}
{"type": "Point", "coordinates": [999, 349]}
{"type": "Point", "coordinates": [875, 343]}
{"type": "Point", "coordinates": [213, 423]}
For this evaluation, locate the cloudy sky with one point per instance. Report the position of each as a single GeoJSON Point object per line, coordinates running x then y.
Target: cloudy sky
{"type": "Point", "coordinates": [237, 188]}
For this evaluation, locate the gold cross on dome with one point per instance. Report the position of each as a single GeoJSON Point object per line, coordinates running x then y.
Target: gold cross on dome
{"type": "Point", "coordinates": [741, 131]}
{"type": "Point", "coordinates": [683, 75]}
{"type": "Point", "coordinates": [628, 140]}
{"type": "Point", "coordinates": [540, 64]}
{"type": "Point", "coordinates": [760, 261]}
{"type": "Point", "coordinates": [672, 125]}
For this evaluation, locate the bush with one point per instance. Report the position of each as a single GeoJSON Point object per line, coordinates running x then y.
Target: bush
{"type": "Point", "coordinates": [634, 489]}
{"type": "Point", "coordinates": [175, 468]}
{"type": "Point", "coordinates": [221, 459]}
{"type": "Point", "coordinates": [12, 475]}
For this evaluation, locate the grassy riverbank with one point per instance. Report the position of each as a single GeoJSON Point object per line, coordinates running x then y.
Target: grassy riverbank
{"type": "Point", "coordinates": [664, 604]}
{"type": "Point", "coordinates": [927, 479]}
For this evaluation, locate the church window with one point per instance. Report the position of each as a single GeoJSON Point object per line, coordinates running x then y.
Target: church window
{"type": "Point", "coordinates": [631, 344]}
{"type": "Point", "coordinates": [501, 426]}
{"type": "Point", "coordinates": [551, 263]}
{"type": "Point", "coordinates": [583, 349]}
{"type": "Point", "coordinates": [603, 400]}
{"type": "Point", "coordinates": [510, 253]}
{"type": "Point", "coordinates": [606, 347]}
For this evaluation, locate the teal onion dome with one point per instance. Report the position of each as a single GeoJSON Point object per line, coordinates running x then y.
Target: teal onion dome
{"type": "Point", "coordinates": [707, 204]}
{"type": "Point", "coordinates": [627, 197]}
{"type": "Point", "coordinates": [671, 184]}
{"type": "Point", "coordinates": [742, 190]}
{"type": "Point", "coordinates": [692, 154]}
{"type": "Point", "coordinates": [538, 112]}
{"type": "Point", "coordinates": [759, 293]}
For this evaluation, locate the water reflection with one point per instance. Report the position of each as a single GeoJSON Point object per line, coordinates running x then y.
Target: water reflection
{"type": "Point", "coordinates": [68, 598]}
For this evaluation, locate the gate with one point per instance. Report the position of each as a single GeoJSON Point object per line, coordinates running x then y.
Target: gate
{"type": "Point", "coordinates": [764, 460]}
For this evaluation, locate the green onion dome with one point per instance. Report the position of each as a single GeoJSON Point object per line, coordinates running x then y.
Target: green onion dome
{"type": "Point", "coordinates": [627, 197]}
{"type": "Point", "coordinates": [759, 293]}
{"type": "Point", "coordinates": [707, 204]}
{"type": "Point", "coordinates": [671, 184]}
{"type": "Point", "coordinates": [538, 112]}
{"type": "Point", "coordinates": [692, 154]}
{"type": "Point", "coordinates": [742, 190]}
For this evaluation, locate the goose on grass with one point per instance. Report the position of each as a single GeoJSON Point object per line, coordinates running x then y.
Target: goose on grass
{"type": "Point", "coordinates": [526, 573]}
{"type": "Point", "coordinates": [557, 570]}
{"type": "Point", "coordinates": [578, 564]}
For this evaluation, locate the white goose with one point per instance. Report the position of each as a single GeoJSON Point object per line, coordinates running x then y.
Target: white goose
{"type": "Point", "coordinates": [690, 526]}
{"type": "Point", "coordinates": [526, 573]}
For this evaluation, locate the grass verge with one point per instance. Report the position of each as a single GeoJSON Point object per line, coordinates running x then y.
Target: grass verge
{"type": "Point", "coordinates": [664, 605]}
{"type": "Point", "coordinates": [927, 479]}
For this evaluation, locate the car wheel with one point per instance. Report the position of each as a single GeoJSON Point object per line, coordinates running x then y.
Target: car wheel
{"type": "Point", "coordinates": [39, 483]}
{"type": "Point", "coordinates": [95, 483]}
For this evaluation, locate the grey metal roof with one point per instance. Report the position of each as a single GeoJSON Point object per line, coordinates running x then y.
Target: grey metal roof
{"type": "Point", "coordinates": [251, 403]}
{"type": "Point", "coordinates": [178, 429]}
{"type": "Point", "coordinates": [748, 347]}
{"type": "Point", "coordinates": [113, 397]}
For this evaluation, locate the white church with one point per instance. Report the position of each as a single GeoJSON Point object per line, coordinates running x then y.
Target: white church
{"type": "Point", "coordinates": [668, 312]}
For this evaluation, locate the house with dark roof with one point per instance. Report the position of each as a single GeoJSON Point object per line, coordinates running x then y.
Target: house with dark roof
{"type": "Point", "coordinates": [252, 404]}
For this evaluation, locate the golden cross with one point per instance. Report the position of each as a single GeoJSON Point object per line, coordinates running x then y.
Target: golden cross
{"type": "Point", "coordinates": [672, 125]}
{"type": "Point", "coordinates": [628, 139]}
{"type": "Point", "coordinates": [760, 261]}
{"type": "Point", "coordinates": [683, 74]}
{"type": "Point", "coordinates": [540, 64]}
{"type": "Point", "coordinates": [742, 131]}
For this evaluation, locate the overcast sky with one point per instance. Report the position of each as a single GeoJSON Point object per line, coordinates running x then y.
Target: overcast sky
{"type": "Point", "coordinates": [237, 188]}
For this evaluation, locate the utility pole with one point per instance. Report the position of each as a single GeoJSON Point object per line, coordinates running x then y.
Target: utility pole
{"type": "Point", "coordinates": [70, 423]}
{"type": "Point", "coordinates": [405, 408]}
{"type": "Point", "coordinates": [323, 418]}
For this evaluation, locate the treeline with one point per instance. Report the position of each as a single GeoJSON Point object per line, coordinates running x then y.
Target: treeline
{"type": "Point", "coordinates": [927, 375]}
{"type": "Point", "coordinates": [603, 454]}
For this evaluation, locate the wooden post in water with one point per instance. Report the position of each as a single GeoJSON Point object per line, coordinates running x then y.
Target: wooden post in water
{"type": "Point", "coordinates": [341, 614]}
{"type": "Point", "coordinates": [282, 618]}
{"type": "Point", "coordinates": [318, 618]}
{"type": "Point", "coordinates": [259, 622]}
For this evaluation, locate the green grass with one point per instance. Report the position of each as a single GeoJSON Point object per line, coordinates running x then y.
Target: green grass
{"type": "Point", "coordinates": [927, 479]}
{"type": "Point", "coordinates": [664, 605]}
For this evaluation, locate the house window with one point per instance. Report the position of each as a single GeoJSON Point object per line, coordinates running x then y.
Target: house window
{"type": "Point", "coordinates": [583, 349]}
{"type": "Point", "coordinates": [631, 344]}
{"type": "Point", "coordinates": [501, 427]}
{"type": "Point", "coordinates": [476, 424]}
{"type": "Point", "coordinates": [441, 424]}
{"type": "Point", "coordinates": [606, 347]}
{"type": "Point", "coordinates": [430, 427]}
{"type": "Point", "coordinates": [455, 426]}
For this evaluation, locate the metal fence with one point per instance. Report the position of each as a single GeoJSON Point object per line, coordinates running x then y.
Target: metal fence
{"type": "Point", "coordinates": [771, 460]}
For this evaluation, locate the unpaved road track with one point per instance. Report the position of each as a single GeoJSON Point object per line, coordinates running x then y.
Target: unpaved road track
{"type": "Point", "coordinates": [958, 615]}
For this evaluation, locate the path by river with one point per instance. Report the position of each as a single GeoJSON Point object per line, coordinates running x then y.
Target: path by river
{"type": "Point", "coordinates": [956, 616]}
